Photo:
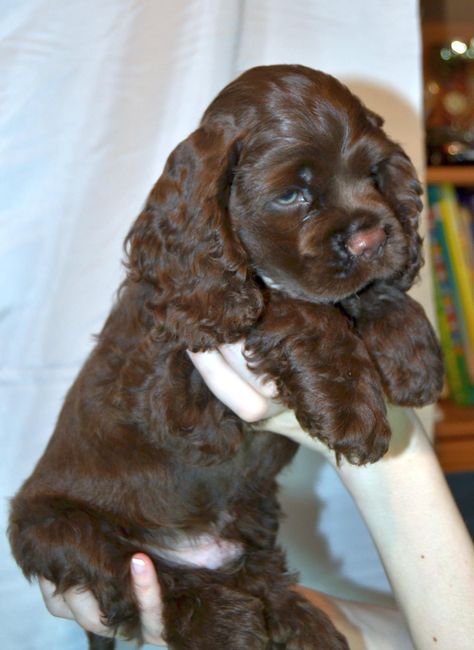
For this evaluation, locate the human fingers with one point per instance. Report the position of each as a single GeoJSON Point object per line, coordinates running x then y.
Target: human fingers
{"type": "Point", "coordinates": [228, 386]}
{"type": "Point", "coordinates": [55, 603]}
{"type": "Point", "coordinates": [75, 604]}
{"type": "Point", "coordinates": [81, 606]}
{"type": "Point", "coordinates": [286, 424]}
{"type": "Point", "coordinates": [85, 610]}
{"type": "Point", "coordinates": [234, 354]}
{"type": "Point", "coordinates": [147, 590]}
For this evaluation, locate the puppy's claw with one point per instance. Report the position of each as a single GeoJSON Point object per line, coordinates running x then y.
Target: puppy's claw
{"type": "Point", "coordinates": [361, 447]}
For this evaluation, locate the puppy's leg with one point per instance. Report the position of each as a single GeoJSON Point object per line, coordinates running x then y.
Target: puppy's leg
{"type": "Point", "coordinates": [293, 623]}
{"type": "Point", "coordinates": [97, 642]}
{"type": "Point", "coordinates": [401, 343]}
{"type": "Point", "coordinates": [247, 603]}
{"type": "Point", "coordinates": [324, 373]}
{"type": "Point", "coordinates": [74, 547]}
{"type": "Point", "coordinates": [211, 616]}
{"type": "Point", "coordinates": [247, 606]}
{"type": "Point", "coordinates": [297, 625]}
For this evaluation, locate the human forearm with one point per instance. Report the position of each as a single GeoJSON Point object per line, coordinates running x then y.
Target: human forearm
{"type": "Point", "coordinates": [430, 563]}
{"type": "Point", "coordinates": [409, 511]}
{"type": "Point", "coordinates": [420, 536]}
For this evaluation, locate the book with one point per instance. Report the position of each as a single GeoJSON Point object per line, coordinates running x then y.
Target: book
{"type": "Point", "coordinates": [452, 273]}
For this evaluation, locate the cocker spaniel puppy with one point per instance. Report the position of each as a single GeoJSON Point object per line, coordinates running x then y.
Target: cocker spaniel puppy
{"type": "Point", "coordinates": [288, 219]}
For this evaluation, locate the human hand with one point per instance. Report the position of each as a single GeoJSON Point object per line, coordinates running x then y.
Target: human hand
{"type": "Point", "coordinates": [81, 606]}
{"type": "Point", "coordinates": [357, 622]}
{"type": "Point", "coordinates": [227, 375]}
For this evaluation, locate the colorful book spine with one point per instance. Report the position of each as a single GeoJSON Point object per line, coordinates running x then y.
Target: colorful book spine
{"type": "Point", "coordinates": [452, 226]}
{"type": "Point", "coordinates": [466, 206]}
{"type": "Point", "coordinates": [449, 300]}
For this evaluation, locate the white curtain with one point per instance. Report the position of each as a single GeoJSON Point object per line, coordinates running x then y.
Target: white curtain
{"type": "Point", "coordinates": [94, 95]}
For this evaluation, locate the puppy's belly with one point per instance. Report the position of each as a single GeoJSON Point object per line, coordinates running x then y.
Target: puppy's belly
{"type": "Point", "coordinates": [204, 551]}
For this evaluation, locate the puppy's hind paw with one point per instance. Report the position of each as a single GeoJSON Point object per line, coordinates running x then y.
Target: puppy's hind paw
{"type": "Point", "coordinates": [301, 626]}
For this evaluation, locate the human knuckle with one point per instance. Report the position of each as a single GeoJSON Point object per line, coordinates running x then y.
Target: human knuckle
{"type": "Point", "coordinates": [254, 410]}
{"type": "Point", "coordinates": [54, 609]}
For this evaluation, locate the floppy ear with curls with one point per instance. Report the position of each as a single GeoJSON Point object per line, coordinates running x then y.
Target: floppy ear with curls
{"type": "Point", "coordinates": [183, 247]}
{"type": "Point", "coordinates": [398, 182]}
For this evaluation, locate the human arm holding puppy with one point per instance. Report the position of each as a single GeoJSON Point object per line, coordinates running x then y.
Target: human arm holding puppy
{"type": "Point", "coordinates": [405, 503]}
{"type": "Point", "coordinates": [404, 500]}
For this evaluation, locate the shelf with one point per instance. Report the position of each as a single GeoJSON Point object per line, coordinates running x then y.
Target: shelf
{"type": "Point", "coordinates": [454, 437]}
{"type": "Point", "coordinates": [438, 33]}
{"type": "Point", "coordinates": [454, 431]}
{"type": "Point", "coordinates": [458, 175]}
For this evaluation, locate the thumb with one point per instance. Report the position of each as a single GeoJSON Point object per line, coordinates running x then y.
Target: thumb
{"type": "Point", "coordinates": [147, 591]}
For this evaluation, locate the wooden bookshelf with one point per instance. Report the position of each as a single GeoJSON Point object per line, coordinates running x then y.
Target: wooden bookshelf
{"type": "Point", "coordinates": [454, 432]}
{"type": "Point", "coordinates": [454, 437]}
{"type": "Point", "coordinates": [458, 175]}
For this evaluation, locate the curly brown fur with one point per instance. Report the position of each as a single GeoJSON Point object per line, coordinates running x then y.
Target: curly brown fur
{"type": "Point", "coordinates": [290, 219]}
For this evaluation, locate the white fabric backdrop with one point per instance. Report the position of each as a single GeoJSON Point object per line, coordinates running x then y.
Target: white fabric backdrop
{"type": "Point", "coordinates": [94, 97]}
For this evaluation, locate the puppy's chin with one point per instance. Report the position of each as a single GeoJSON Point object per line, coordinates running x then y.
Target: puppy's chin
{"type": "Point", "coordinates": [299, 291]}
{"type": "Point", "coordinates": [322, 290]}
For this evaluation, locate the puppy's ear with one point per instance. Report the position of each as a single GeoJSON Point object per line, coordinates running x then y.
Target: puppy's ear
{"type": "Point", "coordinates": [397, 181]}
{"type": "Point", "coordinates": [375, 120]}
{"type": "Point", "coordinates": [183, 246]}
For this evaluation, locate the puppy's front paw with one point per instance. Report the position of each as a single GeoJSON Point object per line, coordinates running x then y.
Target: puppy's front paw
{"type": "Point", "coordinates": [406, 352]}
{"type": "Point", "coordinates": [415, 384]}
{"type": "Point", "coordinates": [362, 435]}
{"type": "Point", "coordinates": [351, 421]}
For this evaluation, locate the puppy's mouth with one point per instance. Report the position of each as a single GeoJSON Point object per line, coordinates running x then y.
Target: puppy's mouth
{"type": "Point", "coordinates": [338, 290]}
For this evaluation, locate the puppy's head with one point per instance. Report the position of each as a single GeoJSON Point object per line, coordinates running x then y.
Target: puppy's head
{"type": "Point", "coordinates": [323, 201]}
{"type": "Point", "coordinates": [289, 179]}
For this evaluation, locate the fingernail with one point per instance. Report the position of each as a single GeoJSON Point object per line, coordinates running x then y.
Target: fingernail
{"type": "Point", "coordinates": [138, 566]}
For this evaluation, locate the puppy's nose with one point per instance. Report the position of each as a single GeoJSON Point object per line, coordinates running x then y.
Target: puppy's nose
{"type": "Point", "coordinates": [366, 243]}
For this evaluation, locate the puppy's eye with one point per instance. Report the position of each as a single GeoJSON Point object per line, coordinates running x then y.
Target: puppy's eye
{"type": "Point", "coordinates": [292, 197]}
